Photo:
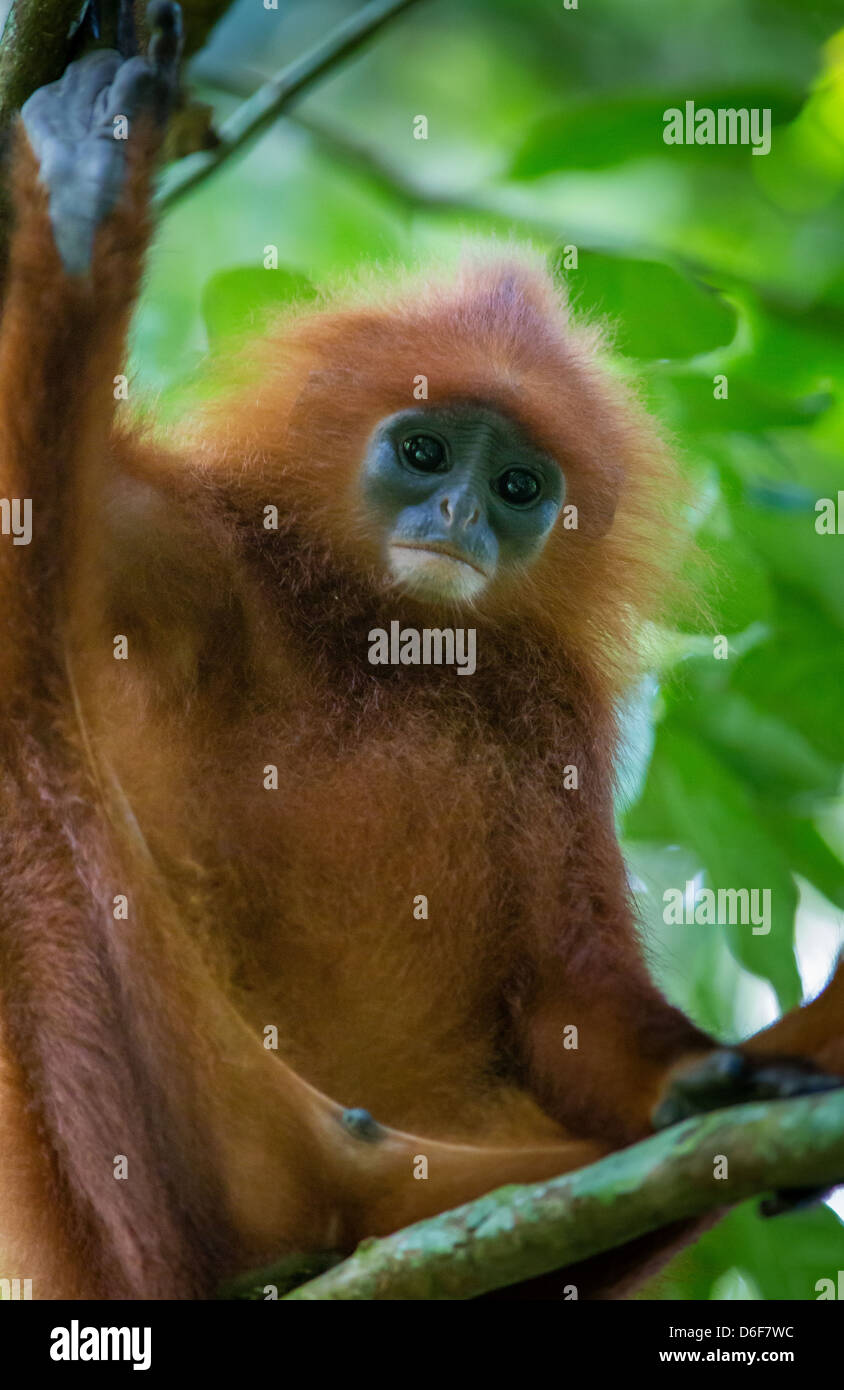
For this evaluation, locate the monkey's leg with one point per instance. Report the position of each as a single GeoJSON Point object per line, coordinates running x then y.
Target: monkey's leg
{"type": "Point", "coordinates": [815, 1031]}
{"type": "Point", "coordinates": [605, 1053]}
{"type": "Point", "coordinates": [381, 1192]}
{"type": "Point", "coordinates": [597, 1038]}
{"type": "Point", "coordinates": [303, 1172]}
{"type": "Point", "coordinates": [118, 1043]}
{"type": "Point", "coordinates": [638, 1062]}
{"type": "Point", "coordinates": [412, 1177]}
{"type": "Point", "coordinates": [781, 1061]}
{"type": "Point", "coordinates": [801, 1053]}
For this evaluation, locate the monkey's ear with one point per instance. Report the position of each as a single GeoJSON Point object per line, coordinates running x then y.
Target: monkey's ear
{"type": "Point", "coordinates": [596, 500]}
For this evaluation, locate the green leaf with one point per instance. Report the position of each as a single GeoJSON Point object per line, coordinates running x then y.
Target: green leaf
{"type": "Point", "coordinates": [808, 853]}
{"type": "Point", "coordinates": [603, 130]}
{"type": "Point", "coordinates": [796, 554]}
{"type": "Point", "coordinates": [659, 311]}
{"type": "Point", "coordinates": [799, 348]}
{"type": "Point", "coordinates": [772, 756]}
{"type": "Point", "coordinates": [730, 580]}
{"type": "Point", "coordinates": [237, 300]}
{"type": "Point", "coordinates": [784, 1256]}
{"type": "Point", "coordinates": [698, 974]}
{"type": "Point", "coordinates": [692, 800]}
{"type": "Point", "coordinates": [800, 672]}
{"type": "Point", "coordinates": [689, 401]}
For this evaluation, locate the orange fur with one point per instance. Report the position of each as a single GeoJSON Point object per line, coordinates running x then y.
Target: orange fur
{"type": "Point", "coordinates": [248, 907]}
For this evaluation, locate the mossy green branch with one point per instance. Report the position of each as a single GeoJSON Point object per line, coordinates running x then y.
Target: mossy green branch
{"type": "Point", "coordinates": [33, 49]}
{"type": "Point", "coordinates": [36, 45]}
{"type": "Point", "coordinates": [517, 1233]}
{"type": "Point", "coordinates": [35, 39]}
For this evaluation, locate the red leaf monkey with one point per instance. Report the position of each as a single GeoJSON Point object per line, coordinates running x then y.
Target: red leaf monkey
{"type": "Point", "coordinates": [166, 898]}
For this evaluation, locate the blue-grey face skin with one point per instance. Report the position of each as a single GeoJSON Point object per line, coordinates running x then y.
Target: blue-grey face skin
{"type": "Point", "coordinates": [462, 493]}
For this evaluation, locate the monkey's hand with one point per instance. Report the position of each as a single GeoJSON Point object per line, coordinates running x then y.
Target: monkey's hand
{"type": "Point", "coordinates": [729, 1077]}
{"type": "Point", "coordinates": [78, 129]}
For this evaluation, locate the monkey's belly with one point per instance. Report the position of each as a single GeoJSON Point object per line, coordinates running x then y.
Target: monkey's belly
{"type": "Point", "coordinates": [367, 904]}
{"type": "Point", "coordinates": [375, 1006]}
{"type": "Point", "coordinates": [381, 955]}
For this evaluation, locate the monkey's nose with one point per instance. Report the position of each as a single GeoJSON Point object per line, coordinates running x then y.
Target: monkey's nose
{"type": "Point", "coordinates": [460, 511]}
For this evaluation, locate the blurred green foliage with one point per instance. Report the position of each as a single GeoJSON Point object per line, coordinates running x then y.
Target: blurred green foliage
{"type": "Point", "coordinates": [545, 123]}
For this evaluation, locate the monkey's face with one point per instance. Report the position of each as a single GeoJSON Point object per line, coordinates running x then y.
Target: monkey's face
{"type": "Point", "coordinates": [460, 493]}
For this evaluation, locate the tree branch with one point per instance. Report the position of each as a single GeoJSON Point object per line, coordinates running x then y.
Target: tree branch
{"type": "Point", "coordinates": [276, 95]}
{"type": "Point", "coordinates": [517, 1233]}
{"type": "Point", "coordinates": [33, 49]}
{"type": "Point", "coordinates": [34, 46]}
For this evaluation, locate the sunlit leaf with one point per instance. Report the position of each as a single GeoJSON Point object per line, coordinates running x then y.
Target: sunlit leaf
{"type": "Point", "coordinates": [692, 799]}
{"type": "Point", "coordinates": [238, 300]}
{"type": "Point", "coordinates": [606, 129]}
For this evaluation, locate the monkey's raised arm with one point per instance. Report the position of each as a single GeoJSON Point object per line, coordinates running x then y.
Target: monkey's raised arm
{"type": "Point", "coordinates": [81, 175]}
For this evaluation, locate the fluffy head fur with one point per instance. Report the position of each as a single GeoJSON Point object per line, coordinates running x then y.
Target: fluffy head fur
{"type": "Point", "coordinates": [497, 333]}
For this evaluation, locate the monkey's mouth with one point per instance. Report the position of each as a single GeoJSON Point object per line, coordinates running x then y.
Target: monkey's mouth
{"type": "Point", "coordinates": [443, 549]}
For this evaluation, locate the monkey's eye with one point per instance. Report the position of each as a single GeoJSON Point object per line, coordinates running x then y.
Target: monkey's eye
{"type": "Point", "coordinates": [424, 452]}
{"type": "Point", "coordinates": [517, 486]}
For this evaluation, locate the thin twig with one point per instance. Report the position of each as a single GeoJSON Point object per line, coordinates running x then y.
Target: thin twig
{"type": "Point", "coordinates": [275, 96]}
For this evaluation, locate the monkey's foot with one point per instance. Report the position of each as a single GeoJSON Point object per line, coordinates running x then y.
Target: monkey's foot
{"type": "Point", "coordinates": [728, 1077]}
{"type": "Point", "coordinates": [79, 127]}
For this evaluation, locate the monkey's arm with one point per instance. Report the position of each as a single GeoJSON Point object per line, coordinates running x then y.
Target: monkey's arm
{"type": "Point", "coordinates": [81, 229]}
{"type": "Point", "coordinates": [639, 1063]}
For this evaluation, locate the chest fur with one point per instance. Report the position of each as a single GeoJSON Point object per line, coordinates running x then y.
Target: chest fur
{"type": "Point", "coordinates": [368, 882]}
